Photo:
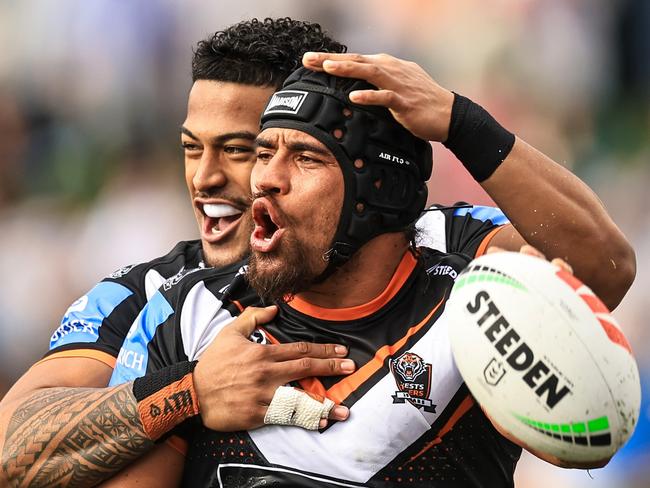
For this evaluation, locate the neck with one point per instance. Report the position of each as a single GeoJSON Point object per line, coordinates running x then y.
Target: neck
{"type": "Point", "coordinates": [362, 278]}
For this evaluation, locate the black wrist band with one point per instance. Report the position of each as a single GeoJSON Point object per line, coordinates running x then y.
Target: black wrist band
{"type": "Point", "coordinates": [476, 139]}
{"type": "Point", "coordinates": [152, 382]}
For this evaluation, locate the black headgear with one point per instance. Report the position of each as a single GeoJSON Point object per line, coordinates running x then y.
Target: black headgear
{"type": "Point", "coordinates": [384, 166]}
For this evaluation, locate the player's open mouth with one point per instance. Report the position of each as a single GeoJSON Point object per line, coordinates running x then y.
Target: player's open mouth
{"type": "Point", "coordinates": [268, 228]}
{"type": "Point", "coordinates": [219, 220]}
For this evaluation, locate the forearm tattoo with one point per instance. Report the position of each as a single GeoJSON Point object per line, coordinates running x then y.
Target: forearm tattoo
{"type": "Point", "coordinates": [73, 437]}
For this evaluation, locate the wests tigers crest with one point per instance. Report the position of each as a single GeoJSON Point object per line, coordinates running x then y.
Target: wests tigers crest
{"type": "Point", "coordinates": [413, 378]}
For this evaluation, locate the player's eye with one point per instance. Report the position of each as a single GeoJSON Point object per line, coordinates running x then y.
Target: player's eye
{"type": "Point", "coordinates": [189, 146]}
{"type": "Point", "coordinates": [305, 158]}
{"type": "Point", "coordinates": [238, 150]}
{"type": "Point", "coordinates": [263, 155]}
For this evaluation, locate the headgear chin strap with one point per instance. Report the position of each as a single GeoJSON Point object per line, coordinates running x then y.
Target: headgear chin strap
{"type": "Point", "coordinates": [384, 166]}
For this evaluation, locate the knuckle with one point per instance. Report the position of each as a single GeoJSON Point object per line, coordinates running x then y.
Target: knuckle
{"type": "Point", "coordinates": [257, 353]}
{"type": "Point", "coordinates": [333, 366]}
{"type": "Point", "coordinates": [302, 347]}
{"type": "Point", "coordinates": [328, 350]}
{"type": "Point", "coordinates": [357, 57]}
{"type": "Point", "coordinates": [258, 376]}
{"type": "Point", "coordinates": [305, 364]}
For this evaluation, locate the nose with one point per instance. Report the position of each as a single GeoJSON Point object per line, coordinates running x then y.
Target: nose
{"type": "Point", "coordinates": [272, 176]}
{"type": "Point", "coordinates": [210, 174]}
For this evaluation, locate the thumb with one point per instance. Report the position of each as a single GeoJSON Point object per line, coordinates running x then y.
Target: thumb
{"type": "Point", "coordinates": [250, 319]}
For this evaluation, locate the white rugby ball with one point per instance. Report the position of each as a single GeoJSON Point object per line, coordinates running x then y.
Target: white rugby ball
{"type": "Point", "coordinates": [544, 357]}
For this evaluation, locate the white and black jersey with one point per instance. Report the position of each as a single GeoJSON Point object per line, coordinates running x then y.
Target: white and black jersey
{"type": "Point", "coordinates": [412, 419]}
{"type": "Point", "coordinates": [96, 324]}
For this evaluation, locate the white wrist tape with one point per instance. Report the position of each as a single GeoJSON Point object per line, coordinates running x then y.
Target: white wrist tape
{"type": "Point", "coordinates": [290, 406]}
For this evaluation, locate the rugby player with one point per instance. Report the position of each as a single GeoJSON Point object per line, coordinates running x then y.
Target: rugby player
{"type": "Point", "coordinates": [234, 72]}
{"type": "Point", "coordinates": [617, 252]}
{"type": "Point", "coordinates": [337, 188]}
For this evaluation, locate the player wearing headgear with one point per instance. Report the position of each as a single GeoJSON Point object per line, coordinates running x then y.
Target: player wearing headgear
{"type": "Point", "coordinates": [330, 176]}
{"type": "Point", "coordinates": [228, 68]}
{"type": "Point", "coordinates": [47, 413]}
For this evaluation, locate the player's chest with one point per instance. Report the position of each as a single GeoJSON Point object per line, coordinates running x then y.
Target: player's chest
{"type": "Point", "coordinates": [394, 397]}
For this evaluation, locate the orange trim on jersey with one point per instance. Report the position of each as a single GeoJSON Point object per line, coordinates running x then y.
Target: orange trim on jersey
{"type": "Point", "coordinates": [349, 384]}
{"type": "Point", "coordinates": [403, 271]}
{"type": "Point", "coordinates": [178, 444]}
{"type": "Point", "coordinates": [486, 241]}
{"type": "Point", "coordinates": [311, 385]}
{"type": "Point", "coordinates": [102, 356]}
{"type": "Point", "coordinates": [462, 409]}
{"type": "Point", "coordinates": [238, 305]}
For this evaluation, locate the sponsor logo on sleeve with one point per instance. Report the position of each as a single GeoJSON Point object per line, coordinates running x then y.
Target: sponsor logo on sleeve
{"type": "Point", "coordinates": [178, 277]}
{"type": "Point", "coordinates": [74, 326]}
{"type": "Point", "coordinates": [413, 378]}
{"type": "Point", "coordinates": [131, 360]}
{"type": "Point", "coordinates": [121, 272]}
{"type": "Point", "coordinates": [78, 305]}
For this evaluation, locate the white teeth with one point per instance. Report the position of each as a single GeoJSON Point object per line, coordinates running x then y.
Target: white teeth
{"type": "Point", "coordinates": [267, 239]}
{"type": "Point", "coordinates": [215, 230]}
{"type": "Point", "coordinates": [218, 210]}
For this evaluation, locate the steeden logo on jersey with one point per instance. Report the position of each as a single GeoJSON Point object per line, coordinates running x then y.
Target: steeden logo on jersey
{"type": "Point", "coordinates": [413, 378]}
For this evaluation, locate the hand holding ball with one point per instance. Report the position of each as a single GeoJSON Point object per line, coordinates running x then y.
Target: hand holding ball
{"type": "Point", "coordinates": [543, 356]}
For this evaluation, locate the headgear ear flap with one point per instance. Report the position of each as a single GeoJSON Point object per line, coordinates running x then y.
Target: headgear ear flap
{"type": "Point", "coordinates": [384, 166]}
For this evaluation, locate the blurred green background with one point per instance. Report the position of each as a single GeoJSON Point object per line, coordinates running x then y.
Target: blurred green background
{"type": "Point", "coordinates": [92, 94]}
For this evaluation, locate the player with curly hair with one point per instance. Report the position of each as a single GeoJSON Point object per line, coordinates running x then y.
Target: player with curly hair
{"type": "Point", "coordinates": [83, 434]}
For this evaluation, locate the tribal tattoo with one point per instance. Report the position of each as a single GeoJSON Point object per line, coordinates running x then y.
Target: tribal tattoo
{"type": "Point", "coordinates": [73, 437]}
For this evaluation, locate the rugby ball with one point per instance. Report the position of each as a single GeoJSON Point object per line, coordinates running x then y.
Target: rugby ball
{"type": "Point", "coordinates": [543, 357]}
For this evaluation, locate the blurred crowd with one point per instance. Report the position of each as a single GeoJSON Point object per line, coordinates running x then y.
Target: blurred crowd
{"type": "Point", "coordinates": [92, 95]}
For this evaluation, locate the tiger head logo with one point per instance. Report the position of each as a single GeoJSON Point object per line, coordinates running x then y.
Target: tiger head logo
{"type": "Point", "coordinates": [409, 366]}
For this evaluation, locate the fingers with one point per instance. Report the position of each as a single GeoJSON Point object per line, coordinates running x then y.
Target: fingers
{"type": "Point", "coordinates": [374, 73]}
{"type": "Point", "coordinates": [249, 320]}
{"type": "Point", "coordinates": [293, 406]}
{"type": "Point", "coordinates": [297, 369]}
{"type": "Point", "coordinates": [493, 249]}
{"type": "Point", "coordinates": [373, 68]}
{"type": "Point", "coordinates": [385, 98]}
{"type": "Point", "coordinates": [562, 264]}
{"type": "Point", "coordinates": [533, 251]}
{"type": "Point", "coordinates": [297, 350]}
{"type": "Point", "coordinates": [313, 60]}
{"type": "Point", "coordinates": [338, 412]}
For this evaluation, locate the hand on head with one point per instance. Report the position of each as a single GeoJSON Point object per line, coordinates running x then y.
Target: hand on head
{"type": "Point", "coordinates": [413, 97]}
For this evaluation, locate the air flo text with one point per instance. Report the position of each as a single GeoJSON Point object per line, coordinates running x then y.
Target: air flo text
{"type": "Point", "coordinates": [520, 357]}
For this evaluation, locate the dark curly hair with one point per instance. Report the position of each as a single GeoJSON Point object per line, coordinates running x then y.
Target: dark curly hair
{"type": "Point", "coordinates": [260, 53]}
